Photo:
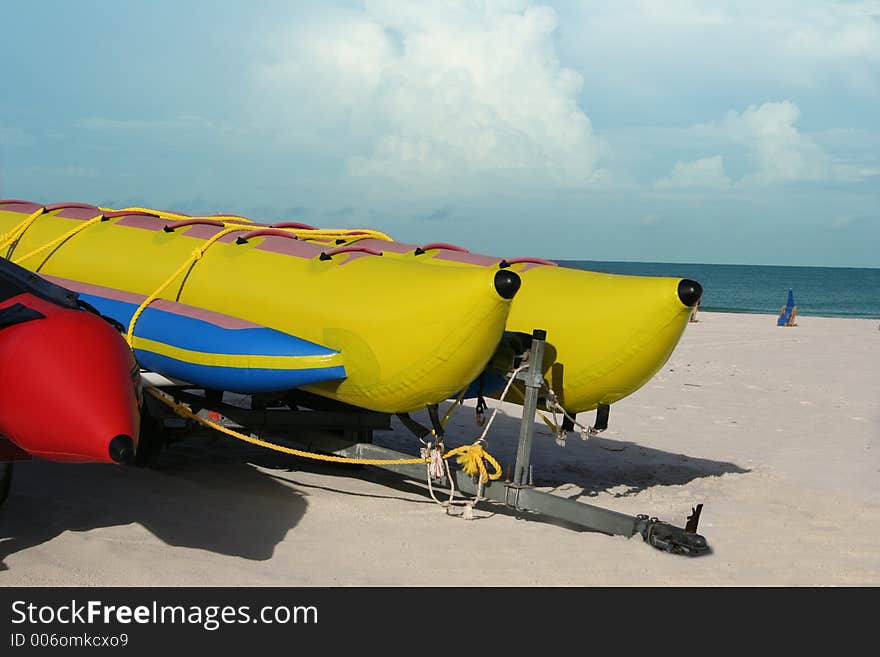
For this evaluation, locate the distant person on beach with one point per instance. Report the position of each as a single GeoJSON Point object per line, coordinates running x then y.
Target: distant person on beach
{"type": "Point", "coordinates": [693, 317]}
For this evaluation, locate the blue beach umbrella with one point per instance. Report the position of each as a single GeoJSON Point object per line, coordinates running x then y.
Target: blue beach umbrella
{"type": "Point", "coordinates": [785, 315]}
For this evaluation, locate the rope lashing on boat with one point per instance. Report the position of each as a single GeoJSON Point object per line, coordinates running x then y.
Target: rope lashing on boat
{"type": "Point", "coordinates": [435, 467]}
{"type": "Point", "coordinates": [433, 451]}
{"type": "Point", "coordinates": [553, 405]}
{"type": "Point", "coordinates": [61, 239]}
{"type": "Point", "coordinates": [228, 221]}
{"type": "Point", "coordinates": [194, 257]}
{"type": "Point", "coordinates": [15, 234]}
{"type": "Point", "coordinates": [184, 411]}
{"type": "Point", "coordinates": [176, 216]}
{"type": "Point", "coordinates": [305, 233]}
{"type": "Point", "coordinates": [353, 235]}
{"type": "Point", "coordinates": [230, 224]}
{"type": "Point", "coordinates": [507, 387]}
{"type": "Point", "coordinates": [473, 461]}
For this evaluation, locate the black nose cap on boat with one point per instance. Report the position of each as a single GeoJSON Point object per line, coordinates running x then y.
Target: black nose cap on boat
{"type": "Point", "coordinates": [122, 449]}
{"type": "Point", "coordinates": [507, 283]}
{"type": "Point", "coordinates": [689, 292]}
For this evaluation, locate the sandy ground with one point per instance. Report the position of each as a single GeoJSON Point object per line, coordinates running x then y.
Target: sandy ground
{"type": "Point", "coordinates": [775, 430]}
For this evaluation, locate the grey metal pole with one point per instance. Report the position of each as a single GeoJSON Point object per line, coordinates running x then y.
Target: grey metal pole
{"type": "Point", "coordinates": [533, 379]}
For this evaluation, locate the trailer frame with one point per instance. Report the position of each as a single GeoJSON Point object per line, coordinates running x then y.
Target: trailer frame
{"type": "Point", "coordinates": [334, 428]}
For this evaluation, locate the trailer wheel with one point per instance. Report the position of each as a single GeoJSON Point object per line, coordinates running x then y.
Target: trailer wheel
{"type": "Point", "coordinates": [5, 480]}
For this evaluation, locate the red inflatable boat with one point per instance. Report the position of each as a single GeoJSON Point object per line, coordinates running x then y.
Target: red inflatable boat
{"type": "Point", "coordinates": [68, 380]}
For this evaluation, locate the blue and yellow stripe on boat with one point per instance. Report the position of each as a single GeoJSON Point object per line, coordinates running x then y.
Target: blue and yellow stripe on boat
{"type": "Point", "coordinates": [212, 350]}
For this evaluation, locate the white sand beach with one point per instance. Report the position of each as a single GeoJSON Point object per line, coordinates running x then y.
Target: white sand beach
{"type": "Point", "coordinates": [775, 430]}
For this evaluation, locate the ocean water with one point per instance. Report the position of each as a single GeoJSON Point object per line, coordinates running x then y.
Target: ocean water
{"type": "Point", "coordinates": [818, 291]}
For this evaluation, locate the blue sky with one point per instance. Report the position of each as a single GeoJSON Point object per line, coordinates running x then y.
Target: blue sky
{"type": "Point", "coordinates": [674, 131]}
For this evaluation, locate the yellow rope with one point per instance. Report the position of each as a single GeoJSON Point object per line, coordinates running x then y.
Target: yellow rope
{"type": "Point", "coordinates": [472, 460]}
{"type": "Point", "coordinates": [59, 240]}
{"type": "Point", "coordinates": [305, 233]}
{"type": "Point", "coordinates": [196, 255]}
{"type": "Point", "coordinates": [230, 224]}
{"type": "Point", "coordinates": [18, 231]}
{"type": "Point", "coordinates": [550, 423]}
{"type": "Point", "coordinates": [453, 407]}
{"type": "Point", "coordinates": [351, 235]}
{"type": "Point", "coordinates": [470, 456]}
{"type": "Point", "coordinates": [175, 216]}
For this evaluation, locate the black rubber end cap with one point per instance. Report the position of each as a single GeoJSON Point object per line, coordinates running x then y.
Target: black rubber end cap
{"type": "Point", "coordinates": [689, 292]}
{"type": "Point", "coordinates": [122, 449]}
{"type": "Point", "coordinates": [507, 283]}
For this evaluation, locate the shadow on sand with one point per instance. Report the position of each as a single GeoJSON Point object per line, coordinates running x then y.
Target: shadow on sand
{"type": "Point", "coordinates": [209, 495]}
{"type": "Point", "coordinates": [625, 468]}
{"type": "Point", "coordinates": [199, 497]}
{"type": "Point", "coordinates": [596, 465]}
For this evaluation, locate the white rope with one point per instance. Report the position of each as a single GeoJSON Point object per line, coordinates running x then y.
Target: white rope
{"type": "Point", "coordinates": [468, 512]}
{"type": "Point", "coordinates": [513, 374]}
{"type": "Point", "coordinates": [552, 404]}
{"type": "Point", "coordinates": [437, 466]}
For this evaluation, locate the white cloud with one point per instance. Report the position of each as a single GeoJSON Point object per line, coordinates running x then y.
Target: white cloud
{"type": "Point", "coordinates": [322, 72]}
{"type": "Point", "coordinates": [706, 173]}
{"type": "Point", "coordinates": [777, 150]}
{"type": "Point", "coordinates": [437, 96]}
{"type": "Point", "coordinates": [807, 43]}
{"type": "Point", "coordinates": [842, 36]}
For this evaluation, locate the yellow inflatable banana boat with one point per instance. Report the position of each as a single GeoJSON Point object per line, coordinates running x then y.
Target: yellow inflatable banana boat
{"type": "Point", "coordinates": [386, 334]}
{"type": "Point", "coordinates": [607, 334]}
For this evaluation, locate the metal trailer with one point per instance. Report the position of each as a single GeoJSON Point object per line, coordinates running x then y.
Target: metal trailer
{"type": "Point", "coordinates": [333, 428]}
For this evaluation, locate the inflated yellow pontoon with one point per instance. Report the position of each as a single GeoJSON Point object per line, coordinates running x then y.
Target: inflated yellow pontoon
{"type": "Point", "coordinates": [607, 334]}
